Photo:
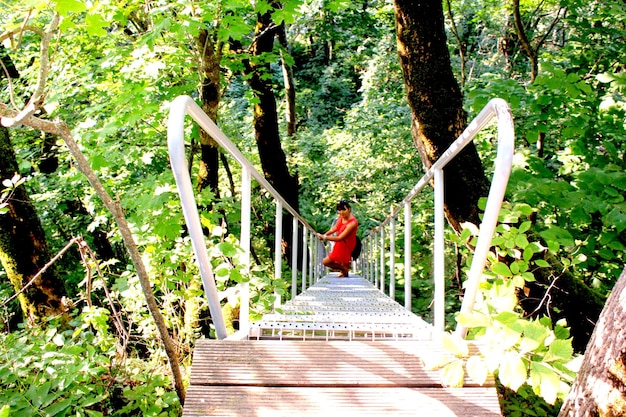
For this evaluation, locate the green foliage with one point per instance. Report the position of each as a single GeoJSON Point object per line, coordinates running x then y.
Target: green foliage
{"type": "Point", "coordinates": [8, 190]}
{"type": "Point", "coordinates": [520, 351]}
{"type": "Point", "coordinates": [115, 68]}
{"type": "Point", "coordinates": [76, 371]}
{"type": "Point", "coordinates": [524, 402]}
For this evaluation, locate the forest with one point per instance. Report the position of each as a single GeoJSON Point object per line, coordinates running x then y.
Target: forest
{"type": "Point", "coordinates": [330, 99]}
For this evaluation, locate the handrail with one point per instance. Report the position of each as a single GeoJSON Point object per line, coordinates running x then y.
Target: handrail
{"type": "Point", "coordinates": [495, 108]}
{"type": "Point", "coordinates": [180, 107]}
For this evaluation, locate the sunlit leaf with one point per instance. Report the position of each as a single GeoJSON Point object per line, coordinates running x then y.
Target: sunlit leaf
{"type": "Point", "coordinates": [502, 269]}
{"type": "Point", "coordinates": [477, 369]}
{"type": "Point", "coordinates": [453, 374]}
{"type": "Point", "coordinates": [546, 380]}
{"type": "Point", "coordinates": [559, 349]}
{"type": "Point", "coordinates": [63, 7]}
{"type": "Point", "coordinates": [455, 344]}
{"type": "Point", "coordinates": [473, 319]}
{"type": "Point", "coordinates": [512, 371]}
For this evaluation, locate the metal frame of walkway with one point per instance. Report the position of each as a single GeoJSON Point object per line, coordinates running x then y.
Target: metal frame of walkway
{"type": "Point", "coordinates": [340, 347]}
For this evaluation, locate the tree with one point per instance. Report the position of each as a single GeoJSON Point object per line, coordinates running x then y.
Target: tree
{"type": "Point", "coordinates": [522, 29]}
{"type": "Point", "coordinates": [25, 116]}
{"type": "Point", "coordinates": [599, 386]}
{"type": "Point", "coordinates": [267, 134]}
{"type": "Point", "coordinates": [209, 50]}
{"type": "Point", "coordinates": [24, 249]}
{"type": "Point", "coordinates": [436, 103]}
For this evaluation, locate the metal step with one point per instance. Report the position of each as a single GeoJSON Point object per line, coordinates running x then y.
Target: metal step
{"type": "Point", "coordinates": [341, 309]}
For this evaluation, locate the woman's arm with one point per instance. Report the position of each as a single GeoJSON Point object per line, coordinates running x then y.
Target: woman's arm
{"type": "Point", "coordinates": [333, 229]}
{"type": "Point", "coordinates": [349, 228]}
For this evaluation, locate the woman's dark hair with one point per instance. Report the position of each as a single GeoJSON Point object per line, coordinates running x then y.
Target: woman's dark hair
{"type": "Point", "coordinates": [343, 204]}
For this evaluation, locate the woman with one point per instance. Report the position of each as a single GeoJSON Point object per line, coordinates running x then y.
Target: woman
{"type": "Point", "coordinates": [343, 233]}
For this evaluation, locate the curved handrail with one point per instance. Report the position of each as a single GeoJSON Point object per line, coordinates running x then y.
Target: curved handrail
{"type": "Point", "coordinates": [495, 108]}
{"type": "Point", "coordinates": [180, 107]}
{"type": "Point", "coordinates": [183, 105]}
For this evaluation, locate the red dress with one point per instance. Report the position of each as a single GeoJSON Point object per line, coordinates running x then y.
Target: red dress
{"type": "Point", "coordinates": [342, 250]}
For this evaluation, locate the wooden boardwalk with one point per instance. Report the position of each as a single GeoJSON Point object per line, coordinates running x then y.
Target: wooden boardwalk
{"type": "Point", "coordinates": [341, 348]}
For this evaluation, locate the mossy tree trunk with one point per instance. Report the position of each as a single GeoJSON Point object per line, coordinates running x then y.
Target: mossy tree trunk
{"type": "Point", "coordinates": [599, 388]}
{"type": "Point", "coordinates": [267, 134]}
{"type": "Point", "coordinates": [24, 250]}
{"type": "Point", "coordinates": [257, 72]}
{"type": "Point", "coordinates": [436, 104]}
{"type": "Point", "coordinates": [209, 51]}
{"type": "Point", "coordinates": [438, 119]}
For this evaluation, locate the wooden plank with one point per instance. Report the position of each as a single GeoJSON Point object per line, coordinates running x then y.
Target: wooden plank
{"type": "Point", "coordinates": [319, 363]}
{"type": "Point", "coordinates": [344, 402]}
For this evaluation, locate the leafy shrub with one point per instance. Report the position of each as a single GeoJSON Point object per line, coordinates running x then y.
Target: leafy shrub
{"type": "Point", "coordinates": [76, 371]}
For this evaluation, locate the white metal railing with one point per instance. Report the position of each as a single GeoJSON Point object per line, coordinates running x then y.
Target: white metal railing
{"type": "Point", "coordinates": [185, 105]}
{"type": "Point", "coordinates": [499, 109]}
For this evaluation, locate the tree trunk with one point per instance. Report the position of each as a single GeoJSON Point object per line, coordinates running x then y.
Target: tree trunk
{"type": "Point", "coordinates": [209, 55]}
{"type": "Point", "coordinates": [438, 119]}
{"type": "Point", "coordinates": [521, 34]}
{"type": "Point", "coordinates": [24, 250]}
{"type": "Point", "coordinates": [273, 159]}
{"type": "Point", "coordinates": [562, 295]}
{"type": "Point", "coordinates": [436, 103]}
{"type": "Point", "coordinates": [599, 388]}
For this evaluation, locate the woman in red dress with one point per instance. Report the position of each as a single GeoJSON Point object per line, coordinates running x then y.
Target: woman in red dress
{"type": "Point", "coordinates": [343, 233]}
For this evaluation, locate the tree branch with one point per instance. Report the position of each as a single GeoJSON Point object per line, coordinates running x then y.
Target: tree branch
{"type": "Point", "coordinates": [36, 99]}
{"type": "Point", "coordinates": [62, 130]}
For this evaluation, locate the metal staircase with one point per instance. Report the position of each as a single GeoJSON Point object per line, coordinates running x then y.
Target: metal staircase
{"type": "Point", "coordinates": [341, 346]}
{"type": "Point", "coordinates": [341, 309]}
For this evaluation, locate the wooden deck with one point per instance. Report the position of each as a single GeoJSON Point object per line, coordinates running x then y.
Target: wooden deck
{"type": "Point", "coordinates": [332, 374]}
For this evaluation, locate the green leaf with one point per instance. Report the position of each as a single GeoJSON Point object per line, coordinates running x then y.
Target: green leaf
{"type": "Point", "coordinates": [507, 317]}
{"type": "Point", "coordinates": [557, 235]}
{"type": "Point", "coordinates": [521, 241]}
{"type": "Point", "coordinates": [5, 410]}
{"type": "Point", "coordinates": [524, 227]}
{"type": "Point", "coordinates": [453, 374]}
{"type": "Point", "coordinates": [96, 25]}
{"type": "Point", "coordinates": [559, 349]}
{"type": "Point", "coordinates": [534, 336]}
{"type": "Point", "coordinates": [227, 249]}
{"type": "Point", "coordinates": [545, 381]}
{"type": "Point", "coordinates": [56, 408]}
{"type": "Point", "coordinates": [512, 371]}
{"type": "Point", "coordinates": [502, 269]}
{"type": "Point", "coordinates": [64, 7]}
{"type": "Point", "coordinates": [98, 161]}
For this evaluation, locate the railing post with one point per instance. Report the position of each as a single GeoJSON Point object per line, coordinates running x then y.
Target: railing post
{"type": "Point", "coordinates": [244, 240]}
{"type": "Point", "coordinates": [368, 260]}
{"type": "Point", "coordinates": [382, 253]}
{"type": "Point", "coordinates": [364, 258]}
{"type": "Point", "coordinates": [311, 259]}
{"type": "Point", "coordinates": [304, 257]}
{"type": "Point", "coordinates": [407, 255]}
{"type": "Point", "coordinates": [294, 259]}
{"type": "Point", "coordinates": [374, 253]}
{"type": "Point", "coordinates": [392, 258]}
{"type": "Point", "coordinates": [438, 249]}
{"type": "Point", "coordinates": [278, 249]}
